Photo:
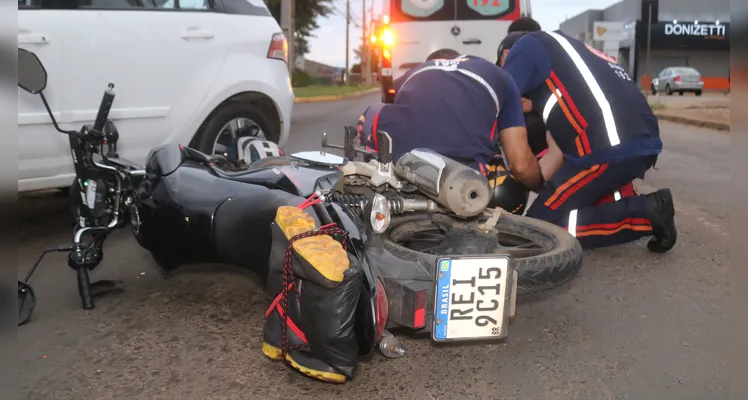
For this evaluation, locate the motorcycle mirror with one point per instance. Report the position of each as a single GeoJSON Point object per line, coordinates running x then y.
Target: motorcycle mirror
{"type": "Point", "coordinates": [385, 147]}
{"type": "Point", "coordinates": [351, 137]}
{"type": "Point", "coordinates": [26, 302]}
{"type": "Point", "coordinates": [32, 77]}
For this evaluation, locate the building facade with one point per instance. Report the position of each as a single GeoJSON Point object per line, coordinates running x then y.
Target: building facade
{"type": "Point", "coordinates": [684, 33]}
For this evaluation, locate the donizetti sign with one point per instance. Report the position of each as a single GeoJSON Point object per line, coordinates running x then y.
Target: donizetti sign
{"type": "Point", "coordinates": [695, 29]}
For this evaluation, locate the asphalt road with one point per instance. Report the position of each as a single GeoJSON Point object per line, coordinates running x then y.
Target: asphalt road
{"type": "Point", "coordinates": [632, 325]}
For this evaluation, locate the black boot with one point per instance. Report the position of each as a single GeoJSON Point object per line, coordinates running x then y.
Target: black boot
{"type": "Point", "coordinates": [661, 212]}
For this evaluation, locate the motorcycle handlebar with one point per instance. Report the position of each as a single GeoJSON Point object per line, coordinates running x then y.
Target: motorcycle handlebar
{"type": "Point", "coordinates": [104, 108]}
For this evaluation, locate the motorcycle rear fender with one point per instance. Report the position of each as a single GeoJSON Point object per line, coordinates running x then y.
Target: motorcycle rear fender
{"type": "Point", "coordinates": [402, 278]}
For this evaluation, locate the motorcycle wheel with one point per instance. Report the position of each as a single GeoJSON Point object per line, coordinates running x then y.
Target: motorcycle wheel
{"type": "Point", "coordinates": [546, 255]}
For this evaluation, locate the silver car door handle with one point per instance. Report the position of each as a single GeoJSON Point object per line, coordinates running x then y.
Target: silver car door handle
{"type": "Point", "coordinates": [197, 33]}
{"type": "Point", "coordinates": [32, 38]}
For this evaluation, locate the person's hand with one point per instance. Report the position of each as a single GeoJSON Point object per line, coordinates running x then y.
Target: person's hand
{"type": "Point", "coordinates": [552, 160]}
{"type": "Point", "coordinates": [526, 105]}
{"type": "Point", "coordinates": [552, 145]}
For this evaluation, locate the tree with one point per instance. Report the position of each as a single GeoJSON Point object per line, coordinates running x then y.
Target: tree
{"type": "Point", "coordinates": [306, 13]}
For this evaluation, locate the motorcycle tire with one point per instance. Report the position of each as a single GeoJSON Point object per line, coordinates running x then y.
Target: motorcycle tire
{"type": "Point", "coordinates": [536, 274]}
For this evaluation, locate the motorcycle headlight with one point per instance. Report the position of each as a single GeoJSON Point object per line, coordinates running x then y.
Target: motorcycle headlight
{"type": "Point", "coordinates": [379, 214]}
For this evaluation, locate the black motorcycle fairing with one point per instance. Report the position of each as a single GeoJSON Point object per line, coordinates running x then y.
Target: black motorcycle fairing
{"type": "Point", "coordinates": [241, 226]}
{"type": "Point", "coordinates": [270, 177]}
{"type": "Point", "coordinates": [165, 159]}
{"type": "Point", "coordinates": [177, 211]}
{"type": "Point", "coordinates": [307, 180]}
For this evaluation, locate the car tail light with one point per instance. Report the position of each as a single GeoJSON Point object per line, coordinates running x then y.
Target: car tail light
{"type": "Point", "coordinates": [701, 80]}
{"type": "Point", "coordinates": [676, 79]}
{"type": "Point", "coordinates": [278, 47]}
{"type": "Point", "coordinates": [387, 54]}
{"type": "Point", "coordinates": [383, 309]}
{"type": "Point", "coordinates": [387, 37]}
{"type": "Point", "coordinates": [391, 91]}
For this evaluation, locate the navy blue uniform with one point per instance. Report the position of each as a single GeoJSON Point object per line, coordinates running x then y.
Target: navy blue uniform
{"type": "Point", "coordinates": [454, 107]}
{"type": "Point", "coordinates": [603, 125]}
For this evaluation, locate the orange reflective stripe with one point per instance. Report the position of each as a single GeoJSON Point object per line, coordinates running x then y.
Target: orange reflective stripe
{"type": "Point", "coordinates": [567, 113]}
{"type": "Point", "coordinates": [615, 225]}
{"type": "Point", "coordinates": [589, 178]}
{"type": "Point", "coordinates": [576, 178]}
{"type": "Point", "coordinates": [608, 232]}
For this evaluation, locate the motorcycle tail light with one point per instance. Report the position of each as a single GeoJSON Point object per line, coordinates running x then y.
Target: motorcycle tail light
{"type": "Point", "coordinates": [382, 309]}
{"type": "Point", "coordinates": [419, 312]}
{"type": "Point", "coordinates": [278, 47]}
{"type": "Point", "coordinates": [379, 217]}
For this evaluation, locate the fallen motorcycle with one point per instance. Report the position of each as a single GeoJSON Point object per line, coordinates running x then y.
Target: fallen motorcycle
{"type": "Point", "coordinates": [434, 258]}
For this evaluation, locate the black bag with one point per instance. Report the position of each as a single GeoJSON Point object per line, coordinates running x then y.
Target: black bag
{"type": "Point", "coordinates": [321, 299]}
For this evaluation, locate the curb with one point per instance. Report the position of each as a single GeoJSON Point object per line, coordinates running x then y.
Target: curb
{"type": "Point", "coordinates": [721, 126]}
{"type": "Point", "coordinates": [320, 99]}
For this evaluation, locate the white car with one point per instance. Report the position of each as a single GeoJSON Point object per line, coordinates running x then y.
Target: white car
{"type": "Point", "coordinates": [185, 71]}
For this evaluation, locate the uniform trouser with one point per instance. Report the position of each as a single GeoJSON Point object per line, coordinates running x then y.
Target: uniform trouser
{"type": "Point", "coordinates": [568, 200]}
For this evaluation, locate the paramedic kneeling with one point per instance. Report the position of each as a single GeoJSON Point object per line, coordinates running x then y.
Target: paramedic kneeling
{"type": "Point", "coordinates": [607, 133]}
{"type": "Point", "coordinates": [458, 106]}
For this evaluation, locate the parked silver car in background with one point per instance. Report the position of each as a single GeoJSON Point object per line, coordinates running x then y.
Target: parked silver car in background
{"type": "Point", "coordinates": [678, 80]}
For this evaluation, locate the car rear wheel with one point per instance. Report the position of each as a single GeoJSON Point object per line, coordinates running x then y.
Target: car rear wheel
{"type": "Point", "coordinates": [231, 120]}
{"type": "Point", "coordinates": [698, 92]}
{"type": "Point", "coordinates": [668, 90]}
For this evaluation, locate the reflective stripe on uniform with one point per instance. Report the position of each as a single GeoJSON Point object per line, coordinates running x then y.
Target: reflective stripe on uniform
{"type": "Point", "coordinates": [470, 74]}
{"type": "Point", "coordinates": [552, 101]}
{"type": "Point", "coordinates": [610, 125]}
{"type": "Point", "coordinates": [573, 223]}
{"type": "Point", "coordinates": [617, 195]}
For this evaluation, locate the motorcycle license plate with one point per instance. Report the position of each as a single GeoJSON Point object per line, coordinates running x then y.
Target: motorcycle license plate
{"type": "Point", "coordinates": [474, 298]}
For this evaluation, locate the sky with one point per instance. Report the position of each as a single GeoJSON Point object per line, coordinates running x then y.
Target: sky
{"type": "Point", "coordinates": [328, 46]}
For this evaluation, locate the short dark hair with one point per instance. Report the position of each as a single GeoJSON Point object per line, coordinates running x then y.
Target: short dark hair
{"type": "Point", "coordinates": [443, 54]}
{"type": "Point", "coordinates": [524, 24]}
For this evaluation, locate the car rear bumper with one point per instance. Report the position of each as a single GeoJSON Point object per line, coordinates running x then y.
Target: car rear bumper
{"type": "Point", "coordinates": [688, 86]}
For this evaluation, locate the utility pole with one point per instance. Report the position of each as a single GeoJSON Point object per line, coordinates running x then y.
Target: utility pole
{"type": "Point", "coordinates": [365, 64]}
{"type": "Point", "coordinates": [347, 41]}
{"type": "Point", "coordinates": [370, 53]}
{"type": "Point", "coordinates": [287, 26]}
{"type": "Point", "coordinates": [649, 50]}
